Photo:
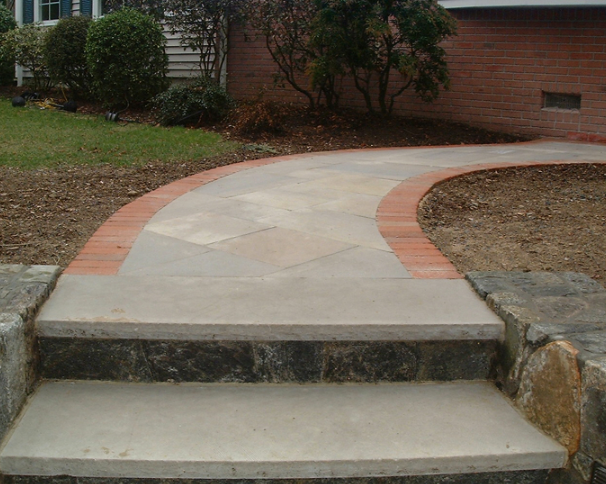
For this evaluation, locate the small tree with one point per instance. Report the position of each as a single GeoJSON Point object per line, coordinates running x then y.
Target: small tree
{"type": "Point", "coordinates": [126, 58]}
{"type": "Point", "coordinates": [202, 26]}
{"type": "Point", "coordinates": [374, 39]}
{"type": "Point", "coordinates": [288, 27]}
{"type": "Point", "coordinates": [26, 45]}
{"type": "Point", "coordinates": [65, 54]}
{"type": "Point", "coordinates": [7, 60]}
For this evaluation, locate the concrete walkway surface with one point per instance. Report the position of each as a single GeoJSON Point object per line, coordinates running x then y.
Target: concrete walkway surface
{"type": "Point", "coordinates": [317, 245]}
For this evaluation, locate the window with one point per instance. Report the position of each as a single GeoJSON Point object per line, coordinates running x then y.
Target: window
{"type": "Point", "coordinates": [50, 10]}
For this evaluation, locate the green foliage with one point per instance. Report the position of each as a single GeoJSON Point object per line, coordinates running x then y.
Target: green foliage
{"type": "Point", "coordinates": [34, 138]}
{"type": "Point", "coordinates": [65, 55]}
{"type": "Point", "coordinates": [374, 39]}
{"type": "Point", "coordinates": [287, 27]}
{"type": "Point", "coordinates": [7, 62]}
{"type": "Point", "coordinates": [188, 103]}
{"type": "Point", "coordinates": [126, 58]}
{"type": "Point", "coordinates": [377, 43]}
{"type": "Point", "coordinates": [26, 45]}
{"type": "Point", "coordinates": [7, 20]}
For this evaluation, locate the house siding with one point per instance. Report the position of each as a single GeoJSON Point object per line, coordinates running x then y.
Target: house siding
{"type": "Point", "coordinates": [501, 63]}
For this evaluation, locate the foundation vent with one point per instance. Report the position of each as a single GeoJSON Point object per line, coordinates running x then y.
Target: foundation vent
{"type": "Point", "coordinates": [599, 474]}
{"type": "Point", "coordinates": [561, 101]}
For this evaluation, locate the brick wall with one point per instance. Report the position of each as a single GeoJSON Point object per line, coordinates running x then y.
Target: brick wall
{"type": "Point", "coordinates": [501, 63]}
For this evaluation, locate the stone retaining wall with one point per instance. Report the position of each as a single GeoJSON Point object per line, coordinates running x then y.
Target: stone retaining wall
{"type": "Point", "coordinates": [553, 359]}
{"type": "Point", "coordinates": [23, 289]}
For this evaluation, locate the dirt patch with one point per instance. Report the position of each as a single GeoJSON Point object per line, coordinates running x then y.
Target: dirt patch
{"type": "Point", "coordinates": [547, 218]}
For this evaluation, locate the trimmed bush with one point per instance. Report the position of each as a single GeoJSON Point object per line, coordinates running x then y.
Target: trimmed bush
{"type": "Point", "coordinates": [26, 46]}
{"type": "Point", "coordinates": [7, 62]}
{"type": "Point", "coordinates": [188, 103]}
{"type": "Point", "coordinates": [126, 58]}
{"type": "Point", "coordinates": [65, 54]}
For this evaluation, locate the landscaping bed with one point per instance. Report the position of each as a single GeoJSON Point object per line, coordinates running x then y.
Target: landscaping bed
{"type": "Point", "coordinates": [545, 218]}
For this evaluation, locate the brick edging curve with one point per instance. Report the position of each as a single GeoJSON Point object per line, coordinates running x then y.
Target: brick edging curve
{"type": "Point", "coordinates": [109, 246]}
{"type": "Point", "coordinates": [397, 218]}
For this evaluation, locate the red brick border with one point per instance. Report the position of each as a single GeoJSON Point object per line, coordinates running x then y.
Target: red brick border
{"type": "Point", "coordinates": [108, 247]}
{"type": "Point", "coordinates": [397, 219]}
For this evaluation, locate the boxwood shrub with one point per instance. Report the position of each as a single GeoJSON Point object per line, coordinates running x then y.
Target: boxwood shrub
{"type": "Point", "coordinates": [126, 58]}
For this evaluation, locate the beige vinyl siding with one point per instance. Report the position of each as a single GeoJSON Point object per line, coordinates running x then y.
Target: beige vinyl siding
{"type": "Point", "coordinates": [182, 63]}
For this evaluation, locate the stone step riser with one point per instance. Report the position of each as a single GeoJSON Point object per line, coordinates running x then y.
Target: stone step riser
{"type": "Point", "coordinates": [272, 362]}
{"type": "Point", "coordinates": [517, 477]}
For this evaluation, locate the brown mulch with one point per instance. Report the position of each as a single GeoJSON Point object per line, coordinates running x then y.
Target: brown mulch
{"type": "Point", "coordinates": [551, 218]}
{"type": "Point", "coordinates": [547, 218]}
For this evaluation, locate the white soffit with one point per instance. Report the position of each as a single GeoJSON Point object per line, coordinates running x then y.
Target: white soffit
{"type": "Point", "coordinates": [518, 3]}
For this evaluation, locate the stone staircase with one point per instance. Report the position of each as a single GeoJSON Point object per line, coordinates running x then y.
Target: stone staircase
{"type": "Point", "coordinates": [380, 386]}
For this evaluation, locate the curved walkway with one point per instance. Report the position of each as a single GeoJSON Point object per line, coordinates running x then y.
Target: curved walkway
{"type": "Point", "coordinates": [320, 240]}
{"type": "Point", "coordinates": [396, 217]}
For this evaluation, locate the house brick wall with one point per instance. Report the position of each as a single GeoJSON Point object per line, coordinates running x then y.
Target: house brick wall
{"type": "Point", "coordinates": [501, 63]}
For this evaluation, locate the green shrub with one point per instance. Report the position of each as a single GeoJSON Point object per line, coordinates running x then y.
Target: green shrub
{"type": "Point", "coordinates": [7, 62]}
{"type": "Point", "coordinates": [187, 103]}
{"type": "Point", "coordinates": [65, 56]}
{"type": "Point", "coordinates": [126, 58]}
{"type": "Point", "coordinates": [26, 46]}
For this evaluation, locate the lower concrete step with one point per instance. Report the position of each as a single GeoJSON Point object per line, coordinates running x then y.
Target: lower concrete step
{"type": "Point", "coordinates": [223, 431]}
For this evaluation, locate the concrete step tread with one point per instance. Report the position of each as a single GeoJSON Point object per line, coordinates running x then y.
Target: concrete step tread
{"type": "Point", "coordinates": [270, 309]}
{"type": "Point", "coordinates": [220, 431]}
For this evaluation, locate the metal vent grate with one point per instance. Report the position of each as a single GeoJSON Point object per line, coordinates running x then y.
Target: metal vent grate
{"type": "Point", "coordinates": [561, 101]}
{"type": "Point", "coordinates": [599, 474]}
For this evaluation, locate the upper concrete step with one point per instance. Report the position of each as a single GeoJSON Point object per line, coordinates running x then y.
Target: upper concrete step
{"type": "Point", "coordinates": [266, 309]}
{"type": "Point", "coordinates": [268, 431]}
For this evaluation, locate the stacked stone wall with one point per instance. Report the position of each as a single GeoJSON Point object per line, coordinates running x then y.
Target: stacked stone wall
{"type": "Point", "coordinates": [553, 358]}
{"type": "Point", "coordinates": [23, 289]}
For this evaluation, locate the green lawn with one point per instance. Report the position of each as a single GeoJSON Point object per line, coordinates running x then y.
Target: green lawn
{"type": "Point", "coordinates": [32, 138]}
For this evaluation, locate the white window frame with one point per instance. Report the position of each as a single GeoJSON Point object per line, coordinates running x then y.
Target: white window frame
{"type": "Point", "coordinates": [97, 4]}
{"type": "Point", "coordinates": [38, 13]}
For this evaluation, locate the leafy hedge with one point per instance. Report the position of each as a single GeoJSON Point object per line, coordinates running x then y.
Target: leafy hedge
{"type": "Point", "coordinates": [126, 58]}
{"type": "Point", "coordinates": [64, 50]}
{"type": "Point", "coordinates": [7, 62]}
{"type": "Point", "coordinates": [188, 103]}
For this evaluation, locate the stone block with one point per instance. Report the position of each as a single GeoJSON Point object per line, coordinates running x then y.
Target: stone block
{"type": "Point", "coordinates": [455, 360]}
{"type": "Point", "coordinates": [289, 361]}
{"type": "Point", "coordinates": [265, 361]}
{"type": "Point", "coordinates": [514, 350]}
{"type": "Point", "coordinates": [370, 361]}
{"type": "Point", "coordinates": [509, 477]}
{"type": "Point", "coordinates": [582, 283]}
{"type": "Point", "coordinates": [593, 410]}
{"type": "Point", "coordinates": [550, 393]}
{"type": "Point", "coordinates": [15, 379]}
